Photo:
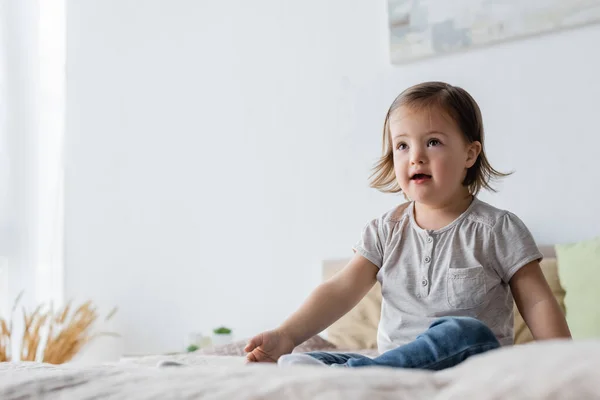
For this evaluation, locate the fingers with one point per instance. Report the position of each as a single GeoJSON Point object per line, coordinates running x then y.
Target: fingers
{"type": "Point", "coordinates": [256, 356]}
{"type": "Point", "coordinates": [255, 351]}
{"type": "Point", "coordinates": [253, 343]}
{"type": "Point", "coordinates": [250, 357]}
{"type": "Point", "coordinates": [259, 356]}
{"type": "Point", "coordinates": [253, 358]}
{"type": "Point", "coordinates": [250, 349]}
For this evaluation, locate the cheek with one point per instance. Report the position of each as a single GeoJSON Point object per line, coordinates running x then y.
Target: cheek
{"type": "Point", "coordinates": [449, 165]}
{"type": "Point", "coordinates": [400, 169]}
{"type": "Point", "coordinates": [400, 163]}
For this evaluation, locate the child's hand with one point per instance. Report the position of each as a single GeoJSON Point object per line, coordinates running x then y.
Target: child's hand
{"type": "Point", "coordinates": [268, 346]}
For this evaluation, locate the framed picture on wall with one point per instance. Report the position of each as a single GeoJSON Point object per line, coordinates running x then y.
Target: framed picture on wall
{"type": "Point", "coordinates": [425, 28]}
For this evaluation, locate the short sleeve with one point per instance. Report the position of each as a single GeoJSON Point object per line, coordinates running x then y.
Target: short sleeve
{"type": "Point", "coordinates": [370, 245]}
{"type": "Point", "coordinates": [513, 246]}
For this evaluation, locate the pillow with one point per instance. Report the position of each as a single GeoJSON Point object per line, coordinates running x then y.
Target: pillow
{"type": "Point", "coordinates": [358, 328]}
{"type": "Point", "coordinates": [579, 271]}
{"type": "Point", "coordinates": [316, 343]}
{"type": "Point", "coordinates": [549, 268]}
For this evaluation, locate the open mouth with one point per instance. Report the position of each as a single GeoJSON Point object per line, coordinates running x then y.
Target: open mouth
{"type": "Point", "coordinates": [420, 177]}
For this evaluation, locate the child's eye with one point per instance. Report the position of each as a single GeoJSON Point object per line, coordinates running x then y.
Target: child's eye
{"type": "Point", "coordinates": [401, 146]}
{"type": "Point", "coordinates": [434, 142]}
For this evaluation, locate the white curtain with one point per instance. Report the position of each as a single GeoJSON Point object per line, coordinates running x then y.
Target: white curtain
{"type": "Point", "coordinates": [4, 222]}
{"type": "Point", "coordinates": [32, 114]}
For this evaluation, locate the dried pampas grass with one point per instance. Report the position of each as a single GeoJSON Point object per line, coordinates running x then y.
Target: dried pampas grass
{"type": "Point", "coordinates": [61, 335]}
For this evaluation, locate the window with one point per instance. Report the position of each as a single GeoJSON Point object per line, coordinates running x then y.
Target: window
{"type": "Point", "coordinates": [32, 108]}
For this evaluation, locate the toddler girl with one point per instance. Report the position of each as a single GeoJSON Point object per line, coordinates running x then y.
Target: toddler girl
{"type": "Point", "coordinates": [449, 264]}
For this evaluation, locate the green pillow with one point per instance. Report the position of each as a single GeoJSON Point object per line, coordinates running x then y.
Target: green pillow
{"type": "Point", "coordinates": [579, 272]}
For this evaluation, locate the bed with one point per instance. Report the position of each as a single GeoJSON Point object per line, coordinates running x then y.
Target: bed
{"type": "Point", "coordinates": [545, 370]}
{"type": "Point", "coordinates": [550, 370]}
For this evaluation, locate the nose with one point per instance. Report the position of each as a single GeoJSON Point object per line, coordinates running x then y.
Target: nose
{"type": "Point", "coordinates": [417, 155]}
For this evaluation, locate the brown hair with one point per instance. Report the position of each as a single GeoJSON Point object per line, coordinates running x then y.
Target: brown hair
{"type": "Point", "coordinates": [465, 112]}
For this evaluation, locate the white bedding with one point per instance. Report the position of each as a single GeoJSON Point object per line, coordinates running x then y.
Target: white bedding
{"type": "Point", "coordinates": [550, 370]}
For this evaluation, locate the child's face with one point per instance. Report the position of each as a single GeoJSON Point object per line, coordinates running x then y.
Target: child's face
{"type": "Point", "coordinates": [431, 154]}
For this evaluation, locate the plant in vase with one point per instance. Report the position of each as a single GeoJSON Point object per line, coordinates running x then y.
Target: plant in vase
{"type": "Point", "coordinates": [191, 348]}
{"type": "Point", "coordinates": [193, 341]}
{"type": "Point", "coordinates": [222, 335]}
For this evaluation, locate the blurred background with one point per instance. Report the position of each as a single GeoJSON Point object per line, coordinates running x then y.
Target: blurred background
{"type": "Point", "coordinates": [193, 162]}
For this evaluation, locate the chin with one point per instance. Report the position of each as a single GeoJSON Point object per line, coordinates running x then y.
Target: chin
{"type": "Point", "coordinates": [422, 198]}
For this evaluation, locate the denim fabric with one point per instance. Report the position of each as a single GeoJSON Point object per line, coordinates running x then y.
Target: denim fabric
{"type": "Point", "coordinates": [447, 342]}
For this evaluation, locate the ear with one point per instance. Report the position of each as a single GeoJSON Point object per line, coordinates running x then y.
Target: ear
{"type": "Point", "coordinates": [473, 151]}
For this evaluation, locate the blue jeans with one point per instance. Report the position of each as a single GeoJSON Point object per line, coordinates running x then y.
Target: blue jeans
{"type": "Point", "coordinates": [446, 343]}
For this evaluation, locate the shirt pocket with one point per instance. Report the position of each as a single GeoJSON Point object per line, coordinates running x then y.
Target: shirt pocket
{"type": "Point", "coordinates": [466, 287]}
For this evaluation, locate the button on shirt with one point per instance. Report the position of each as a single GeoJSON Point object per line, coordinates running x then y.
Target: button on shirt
{"type": "Point", "coordinates": [462, 269]}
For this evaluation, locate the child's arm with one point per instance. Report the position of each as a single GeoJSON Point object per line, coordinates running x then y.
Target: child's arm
{"type": "Point", "coordinates": [331, 300]}
{"type": "Point", "coordinates": [325, 305]}
{"type": "Point", "coordinates": [537, 304]}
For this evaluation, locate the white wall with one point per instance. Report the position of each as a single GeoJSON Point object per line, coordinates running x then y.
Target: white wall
{"type": "Point", "coordinates": [217, 151]}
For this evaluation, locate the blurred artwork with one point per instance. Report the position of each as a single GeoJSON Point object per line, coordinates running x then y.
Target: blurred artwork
{"type": "Point", "coordinates": [424, 28]}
